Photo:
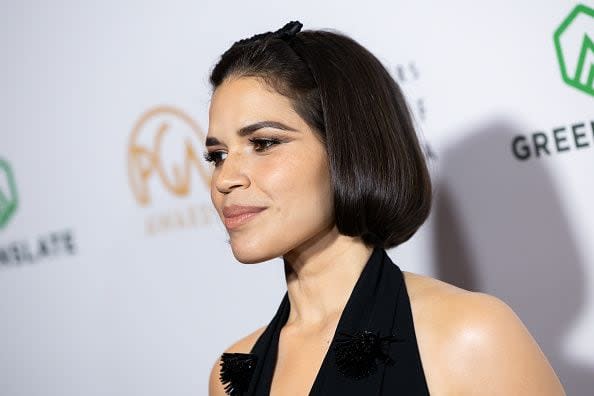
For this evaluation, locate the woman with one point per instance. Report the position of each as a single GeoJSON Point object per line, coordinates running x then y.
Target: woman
{"type": "Point", "coordinates": [316, 161]}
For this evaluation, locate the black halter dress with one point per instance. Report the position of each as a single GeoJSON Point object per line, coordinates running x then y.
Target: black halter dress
{"type": "Point", "coordinates": [379, 304]}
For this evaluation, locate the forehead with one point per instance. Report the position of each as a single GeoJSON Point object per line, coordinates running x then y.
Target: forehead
{"type": "Point", "coordinates": [239, 100]}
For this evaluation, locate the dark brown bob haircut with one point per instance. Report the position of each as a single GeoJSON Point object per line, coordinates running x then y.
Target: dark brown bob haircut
{"type": "Point", "coordinates": [382, 188]}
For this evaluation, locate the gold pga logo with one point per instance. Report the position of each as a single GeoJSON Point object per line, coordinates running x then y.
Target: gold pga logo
{"type": "Point", "coordinates": [163, 145]}
{"type": "Point", "coordinates": [164, 161]}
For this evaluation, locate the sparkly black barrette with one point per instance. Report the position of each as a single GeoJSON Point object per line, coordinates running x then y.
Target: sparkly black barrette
{"type": "Point", "coordinates": [285, 33]}
{"type": "Point", "coordinates": [357, 355]}
{"type": "Point", "coordinates": [289, 30]}
{"type": "Point", "coordinates": [237, 370]}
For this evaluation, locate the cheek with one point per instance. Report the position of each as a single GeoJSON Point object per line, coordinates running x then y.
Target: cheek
{"type": "Point", "coordinates": [299, 185]}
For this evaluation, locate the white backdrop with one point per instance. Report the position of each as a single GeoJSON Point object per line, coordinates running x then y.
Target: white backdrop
{"type": "Point", "coordinates": [115, 274]}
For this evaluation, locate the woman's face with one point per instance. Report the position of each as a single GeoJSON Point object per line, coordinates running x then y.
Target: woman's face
{"type": "Point", "coordinates": [266, 156]}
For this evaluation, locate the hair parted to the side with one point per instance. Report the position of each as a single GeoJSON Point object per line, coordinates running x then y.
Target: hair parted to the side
{"type": "Point", "coordinates": [382, 188]}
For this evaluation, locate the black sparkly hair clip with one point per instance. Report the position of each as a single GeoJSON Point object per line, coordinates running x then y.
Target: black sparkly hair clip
{"type": "Point", "coordinates": [237, 370]}
{"type": "Point", "coordinates": [357, 355]}
{"type": "Point", "coordinates": [285, 33]}
{"type": "Point", "coordinates": [289, 30]}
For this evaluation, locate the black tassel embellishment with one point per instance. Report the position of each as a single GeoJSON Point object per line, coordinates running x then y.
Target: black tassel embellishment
{"type": "Point", "coordinates": [357, 355]}
{"type": "Point", "coordinates": [236, 372]}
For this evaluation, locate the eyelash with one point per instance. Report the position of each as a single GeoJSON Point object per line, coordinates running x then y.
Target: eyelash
{"type": "Point", "coordinates": [214, 155]}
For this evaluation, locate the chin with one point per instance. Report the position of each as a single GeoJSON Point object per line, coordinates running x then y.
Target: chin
{"type": "Point", "coordinates": [252, 253]}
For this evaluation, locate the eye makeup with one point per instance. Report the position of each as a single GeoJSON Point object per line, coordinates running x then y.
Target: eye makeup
{"type": "Point", "coordinates": [261, 144]}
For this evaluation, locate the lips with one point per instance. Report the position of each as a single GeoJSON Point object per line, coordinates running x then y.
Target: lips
{"type": "Point", "coordinates": [237, 215]}
{"type": "Point", "coordinates": [236, 210]}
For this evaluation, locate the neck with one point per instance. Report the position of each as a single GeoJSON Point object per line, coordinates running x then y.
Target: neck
{"type": "Point", "coordinates": [321, 276]}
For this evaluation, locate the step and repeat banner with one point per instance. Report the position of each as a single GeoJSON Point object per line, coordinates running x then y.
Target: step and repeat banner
{"type": "Point", "coordinates": [116, 275]}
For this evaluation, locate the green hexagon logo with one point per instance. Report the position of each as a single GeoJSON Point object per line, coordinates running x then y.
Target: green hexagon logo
{"type": "Point", "coordinates": [575, 48]}
{"type": "Point", "coordinates": [8, 193]}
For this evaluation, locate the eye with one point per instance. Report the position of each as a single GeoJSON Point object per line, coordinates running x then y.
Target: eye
{"type": "Point", "coordinates": [263, 144]}
{"type": "Point", "coordinates": [260, 145]}
{"type": "Point", "coordinates": [214, 157]}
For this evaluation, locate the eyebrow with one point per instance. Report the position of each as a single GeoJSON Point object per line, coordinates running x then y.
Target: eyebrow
{"type": "Point", "coordinates": [249, 129]}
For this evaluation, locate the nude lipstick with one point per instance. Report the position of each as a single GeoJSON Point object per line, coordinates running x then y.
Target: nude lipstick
{"type": "Point", "coordinates": [237, 215]}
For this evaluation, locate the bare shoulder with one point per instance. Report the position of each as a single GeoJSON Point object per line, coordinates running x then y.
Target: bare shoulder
{"type": "Point", "coordinates": [244, 345]}
{"type": "Point", "coordinates": [474, 343]}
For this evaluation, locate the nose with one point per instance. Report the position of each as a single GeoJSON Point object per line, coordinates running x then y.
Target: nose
{"type": "Point", "coordinates": [231, 174]}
